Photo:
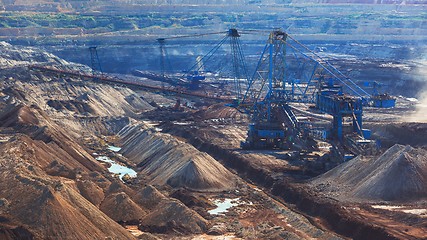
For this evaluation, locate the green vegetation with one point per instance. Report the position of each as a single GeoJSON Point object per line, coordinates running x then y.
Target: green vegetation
{"type": "Point", "coordinates": [302, 18]}
{"type": "Point", "coordinates": [113, 23]}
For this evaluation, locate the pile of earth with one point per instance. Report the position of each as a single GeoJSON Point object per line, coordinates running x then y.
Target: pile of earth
{"type": "Point", "coordinates": [47, 137]}
{"type": "Point", "coordinates": [219, 111]}
{"type": "Point", "coordinates": [399, 174]}
{"type": "Point", "coordinates": [67, 99]}
{"type": "Point", "coordinates": [51, 185]}
{"type": "Point", "coordinates": [82, 205]}
{"type": "Point", "coordinates": [166, 214]}
{"type": "Point", "coordinates": [13, 56]}
{"type": "Point", "coordinates": [173, 214]}
{"type": "Point", "coordinates": [63, 95]}
{"type": "Point", "coordinates": [163, 159]}
{"type": "Point", "coordinates": [57, 180]}
{"type": "Point", "coordinates": [48, 207]}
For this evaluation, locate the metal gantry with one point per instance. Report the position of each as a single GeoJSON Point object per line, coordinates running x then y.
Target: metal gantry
{"type": "Point", "coordinates": [273, 124]}
{"type": "Point", "coordinates": [238, 66]}
{"type": "Point", "coordinates": [95, 64]}
{"type": "Point", "coordinates": [288, 71]}
{"type": "Point", "coordinates": [196, 73]}
{"type": "Point", "coordinates": [238, 60]}
{"type": "Point", "coordinates": [164, 59]}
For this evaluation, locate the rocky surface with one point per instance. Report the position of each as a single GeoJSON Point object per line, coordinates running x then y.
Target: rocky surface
{"type": "Point", "coordinates": [13, 56]}
{"type": "Point", "coordinates": [52, 127]}
{"type": "Point", "coordinates": [52, 187]}
{"type": "Point", "coordinates": [172, 215]}
{"type": "Point", "coordinates": [149, 197]}
{"type": "Point", "coordinates": [47, 206]}
{"type": "Point", "coordinates": [121, 208]}
{"type": "Point", "coordinates": [286, 176]}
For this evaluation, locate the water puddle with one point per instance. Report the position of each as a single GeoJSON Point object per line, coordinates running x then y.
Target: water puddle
{"type": "Point", "coordinates": [182, 123]}
{"type": "Point", "coordinates": [386, 207]}
{"type": "Point", "coordinates": [222, 206]}
{"type": "Point", "coordinates": [422, 212]}
{"type": "Point", "coordinates": [114, 148]}
{"type": "Point", "coordinates": [417, 211]}
{"type": "Point", "coordinates": [117, 168]}
{"type": "Point", "coordinates": [227, 236]}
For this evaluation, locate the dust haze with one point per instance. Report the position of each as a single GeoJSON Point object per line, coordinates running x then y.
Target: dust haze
{"type": "Point", "coordinates": [420, 114]}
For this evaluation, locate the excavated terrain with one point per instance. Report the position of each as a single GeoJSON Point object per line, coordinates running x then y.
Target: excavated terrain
{"type": "Point", "coordinates": [52, 185]}
{"type": "Point", "coordinates": [165, 160]}
{"type": "Point", "coordinates": [378, 197]}
{"type": "Point", "coordinates": [88, 160]}
{"type": "Point", "coordinates": [399, 174]}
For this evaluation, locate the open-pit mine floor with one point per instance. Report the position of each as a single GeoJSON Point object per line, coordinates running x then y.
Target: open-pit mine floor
{"type": "Point", "coordinates": [90, 160]}
{"type": "Point", "coordinates": [286, 175]}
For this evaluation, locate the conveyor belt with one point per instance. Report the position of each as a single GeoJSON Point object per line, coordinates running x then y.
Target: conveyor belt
{"type": "Point", "coordinates": [138, 83]}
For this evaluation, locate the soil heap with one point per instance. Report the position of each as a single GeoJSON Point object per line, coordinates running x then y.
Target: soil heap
{"type": "Point", "coordinates": [121, 208]}
{"type": "Point", "coordinates": [46, 139]}
{"type": "Point", "coordinates": [219, 111]}
{"type": "Point", "coordinates": [166, 160]}
{"type": "Point", "coordinates": [149, 197]}
{"type": "Point", "coordinates": [18, 56]}
{"type": "Point", "coordinates": [51, 185]}
{"type": "Point", "coordinates": [49, 207]}
{"type": "Point", "coordinates": [399, 174]}
{"type": "Point", "coordinates": [173, 215]}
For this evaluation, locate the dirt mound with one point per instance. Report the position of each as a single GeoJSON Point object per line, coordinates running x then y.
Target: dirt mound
{"type": "Point", "coordinates": [56, 168]}
{"type": "Point", "coordinates": [65, 99]}
{"type": "Point", "coordinates": [194, 174]}
{"type": "Point", "coordinates": [17, 55]}
{"type": "Point", "coordinates": [400, 174]}
{"type": "Point", "coordinates": [49, 141]}
{"type": "Point", "coordinates": [219, 111]}
{"type": "Point", "coordinates": [71, 105]}
{"type": "Point", "coordinates": [173, 216]}
{"type": "Point", "coordinates": [13, 115]}
{"type": "Point", "coordinates": [166, 214]}
{"type": "Point", "coordinates": [121, 208]}
{"type": "Point", "coordinates": [118, 186]}
{"type": "Point", "coordinates": [149, 197]}
{"type": "Point", "coordinates": [49, 208]}
{"type": "Point", "coordinates": [104, 125]}
{"type": "Point", "coordinates": [10, 231]}
{"type": "Point", "coordinates": [51, 157]}
{"type": "Point", "coordinates": [191, 200]}
{"type": "Point", "coordinates": [166, 160]}
{"type": "Point", "coordinates": [92, 192]}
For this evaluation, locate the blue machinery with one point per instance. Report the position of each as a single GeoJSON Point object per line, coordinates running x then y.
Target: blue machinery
{"type": "Point", "coordinates": [273, 125]}
{"type": "Point", "coordinates": [341, 106]}
{"type": "Point", "coordinates": [273, 85]}
{"type": "Point", "coordinates": [239, 71]}
{"type": "Point", "coordinates": [195, 75]}
{"type": "Point", "coordinates": [287, 71]}
{"type": "Point", "coordinates": [380, 100]}
{"type": "Point", "coordinates": [305, 69]}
